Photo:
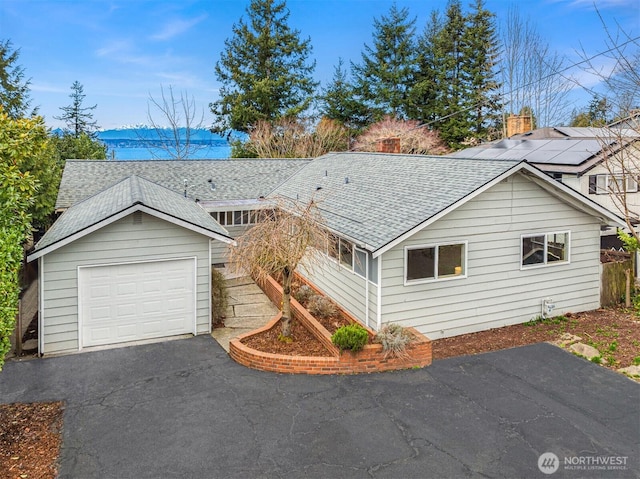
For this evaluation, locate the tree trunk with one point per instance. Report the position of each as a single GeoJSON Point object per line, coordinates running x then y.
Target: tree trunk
{"type": "Point", "coordinates": [287, 276]}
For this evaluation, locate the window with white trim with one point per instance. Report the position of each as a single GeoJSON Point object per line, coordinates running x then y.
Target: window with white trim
{"type": "Point", "coordinates": [238, 217]}
{"type": "Point", "coordinates": [606, 184]}
{"type": "Point", "coordinates": [363, 259]}
{"type": "Point", "coordinates": [545, 249]}
{"type": "Point", "coordinates": [429, 263]}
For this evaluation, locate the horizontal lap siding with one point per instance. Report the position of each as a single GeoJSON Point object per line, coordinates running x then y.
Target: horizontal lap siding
{"type": "Point", "coordinates": [120, 242]}
{"type": "Point", "coordinates": [496, 292]}
{"type": "Point", "coordinates": [220, 250]}
{"type": "Point", "coordinates": [344, 287]}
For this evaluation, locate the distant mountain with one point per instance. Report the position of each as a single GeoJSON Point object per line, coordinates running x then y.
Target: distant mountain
{"type": "Point", "coordinates": [147, 133]}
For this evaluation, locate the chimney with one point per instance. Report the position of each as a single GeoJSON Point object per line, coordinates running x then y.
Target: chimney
{"type": "Point", "coordinates": [389, 145]}
{"type": "Point", "coordinates": [517, 124]}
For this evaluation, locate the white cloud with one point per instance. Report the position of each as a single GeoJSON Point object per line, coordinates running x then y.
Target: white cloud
{"type": "Point", "coordinates": [177, 27]}
{"type": "Point", "coordinates": [116, 47]}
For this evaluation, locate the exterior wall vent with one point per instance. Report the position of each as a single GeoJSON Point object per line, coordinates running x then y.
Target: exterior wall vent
{"type": "Point", "coordinates": [137, 217]}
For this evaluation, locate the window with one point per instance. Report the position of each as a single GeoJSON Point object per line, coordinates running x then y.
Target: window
{"type": "Point", "coordinates": [236, 218]}
{"type": "Point", "coordinates": [360, 264]}
{"type": "Point", "coordinates": [346, 254]}
{"type": "Point", "coordinates": [545, 249]}
{"type": "Point", "coordinates": [606, 184]}
{"type": "Point", "coordinates": [434, 262]}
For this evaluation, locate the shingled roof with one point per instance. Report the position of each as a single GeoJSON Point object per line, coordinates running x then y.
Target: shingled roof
{"type": "Point", "coordinates": [230, 179]}
{"type": "Point", "coordinates": [125, 197]}
{"type": "Point", "coordinates": [374, 198]}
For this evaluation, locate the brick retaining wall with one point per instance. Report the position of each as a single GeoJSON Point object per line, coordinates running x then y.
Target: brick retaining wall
{"type": "Point", "coordinates": [370, 359]}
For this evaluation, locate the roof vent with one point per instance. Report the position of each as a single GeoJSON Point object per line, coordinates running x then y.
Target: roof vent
{"type": "Point", "coordinates": [346, 180]}
{"type": "Point", "coordinates": [212, 185]}
{"type": "Point", "coordinates": [318, 188]}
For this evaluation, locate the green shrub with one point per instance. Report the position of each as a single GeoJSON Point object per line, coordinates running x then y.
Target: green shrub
{"type": "Point", "coordinates": [304, 294]}
{"type": "Point", "coordinates": [352, 336]}
{"type": "Point", "coordinates": [394, 339]}
{"type": "Point", "coordinates": [321, 307]}
{"type": "Point", "coordinates": [219, 296]}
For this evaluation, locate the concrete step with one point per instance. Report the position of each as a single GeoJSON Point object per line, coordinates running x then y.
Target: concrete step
{"type": "Point", "coordinates": [241, 281]}
{"type": "Point", "coordinates": [249, 322]}
{"type": "Point", "coordinates": [263, 309]}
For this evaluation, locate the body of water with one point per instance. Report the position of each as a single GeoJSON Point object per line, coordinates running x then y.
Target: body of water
{"type": "Point", "coordinates": [154, 153]}
{"type": "Point", "coordinates": [144, 143]}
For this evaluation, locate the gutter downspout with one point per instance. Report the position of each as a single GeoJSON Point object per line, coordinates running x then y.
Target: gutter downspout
{"type": "Point", "coordinates": [40, 306]}
{"type": "Point", "coordinates": [379, 299]}
{"type": "Point", "coordinates": [366, 290]}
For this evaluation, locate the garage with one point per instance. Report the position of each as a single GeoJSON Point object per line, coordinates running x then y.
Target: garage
{"type": "Point", "coordinates": [136, 301]}
{"type": "Point", "coordinates": [131, 263]}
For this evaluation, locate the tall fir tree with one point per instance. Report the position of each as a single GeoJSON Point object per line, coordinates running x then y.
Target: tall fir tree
{"type": "Point", "coordinates": [337, 101]}
{"type": "Point", "coordinates": [264, 70]}
{"type": "Point", "coordinates": [383, 78]}
{"type": "Point", "coordinates": [452, 103]}
{"type": "Point", "coordinates": [14, 87]}
{"type": "Point", "coordinates": [78, 118]}
{"type": "Point", "coordinates": [480, 41]}
{"type": "Point", "coordinates": [424, 90]}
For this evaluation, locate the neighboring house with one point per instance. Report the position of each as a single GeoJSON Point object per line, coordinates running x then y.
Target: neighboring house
{"type": "Point", "coordinates": [582, 158]}
{"type": "Point", "coordinates": [446, 245]}
{"type": "Point", "coordinates": [130, 263]}
{"type": "Point", "coordinates": [451, 246]}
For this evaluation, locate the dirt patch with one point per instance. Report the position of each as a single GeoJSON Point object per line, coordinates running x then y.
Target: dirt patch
{"type": "Point", "coordinates": [303, 343]}
{"type": "Point", "coordinates": [30, 438]}
{"type": "Point", "coordinates": [615, 332]}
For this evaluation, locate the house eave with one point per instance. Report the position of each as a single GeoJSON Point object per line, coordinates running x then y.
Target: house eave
{"type": "Point", "coordinates": [122, 214]}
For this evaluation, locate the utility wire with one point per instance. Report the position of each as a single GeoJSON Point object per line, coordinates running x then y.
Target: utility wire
{"type": "Point", "coordinates": [527, 85]}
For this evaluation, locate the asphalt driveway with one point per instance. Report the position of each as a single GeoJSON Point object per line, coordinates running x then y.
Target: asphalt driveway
{"type": "Point", "coordinates": [184, 409]}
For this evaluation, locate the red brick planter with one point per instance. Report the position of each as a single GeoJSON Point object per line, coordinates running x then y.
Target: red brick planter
{"type": "Point", "coordinates": [370, 359]}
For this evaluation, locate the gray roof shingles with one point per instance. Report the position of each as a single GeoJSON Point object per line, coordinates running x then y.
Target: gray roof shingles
{"type": "Point", "coordinates": [121, 196]}
{"type": "Point", "coordinates": [386, 195]}
{"type": "Point", "coordinates": [233, 179]}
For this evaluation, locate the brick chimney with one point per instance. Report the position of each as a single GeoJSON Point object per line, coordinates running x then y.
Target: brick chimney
{"type": "Point", "coordinates": [517, 124]}
{"type": "Point", "coordinates": [389, 145]}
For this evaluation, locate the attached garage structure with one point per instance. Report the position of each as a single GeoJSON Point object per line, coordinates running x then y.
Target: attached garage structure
{"type": "Point", "coordinates": [130, 263]}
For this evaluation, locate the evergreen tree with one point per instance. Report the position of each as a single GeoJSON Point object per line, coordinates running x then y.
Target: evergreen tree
{"type": "Point", "coordinates": [14, 88]}
{"type": "Point", "coordinates": [424, 91]}
{"type": "Point", "coordinates": [452, 102]}
{"type": "Point", "coordinates": [383, 79]}
{"type": "Point", "coordinates": [78, 119]}
{"type": "Point", "coordinates": [455, 89]}
{"type": "Point", "coordinates": [263, 70]}
{"type": "Point", "coordinates": [481, 53]}
{"type": "Point", "coordinates": [81, 147]}
{"type": "Point", "coordinates": [337, 101]}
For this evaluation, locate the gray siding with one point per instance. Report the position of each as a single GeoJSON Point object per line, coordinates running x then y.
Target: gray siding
{"type": "Point", "coordinates": [122, 241]}
{"type": "Point", "coordinates": [496, 291]}
{"type": "Point", "coordinates": [220, 250]}
{"type": "Point", "coordinates": [344, 287]}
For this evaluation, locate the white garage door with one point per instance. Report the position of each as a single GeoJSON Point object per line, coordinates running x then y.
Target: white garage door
{"type": "Point", "coordinates": [130, 302]}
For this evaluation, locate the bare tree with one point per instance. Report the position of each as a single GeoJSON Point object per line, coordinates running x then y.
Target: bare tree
{"type": "Point", "coordinates": [530, 76]}
{"type": "Point", "coordinates": [621, 159]}
{"type": "Point", "coordinates": [278, 244]}
{"type": "Point", "coordinates": [296, 138]}
{"type": "Point", "coordinates": [622, 80]}
{"type": "Point", "coordinates": [176, 137]}
{"type": "Point", "coordinates": [414, 139]}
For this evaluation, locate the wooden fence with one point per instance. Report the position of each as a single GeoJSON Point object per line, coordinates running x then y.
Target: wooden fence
{"type": "Point", "coordinates": [613, 279]}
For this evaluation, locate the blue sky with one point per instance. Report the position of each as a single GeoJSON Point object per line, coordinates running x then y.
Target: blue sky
{"type": "Point", "coordinates": [123, 50]}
